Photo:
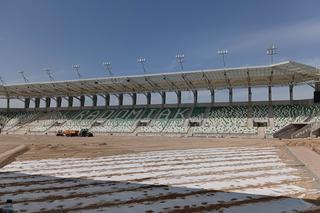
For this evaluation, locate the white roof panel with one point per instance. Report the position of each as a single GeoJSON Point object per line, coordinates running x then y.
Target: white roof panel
{"type": "Point", "coordinates": [284, 73]}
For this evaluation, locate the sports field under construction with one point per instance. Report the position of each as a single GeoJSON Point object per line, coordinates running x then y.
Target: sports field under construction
{"type": "Point", "coordinates": [221, 175]}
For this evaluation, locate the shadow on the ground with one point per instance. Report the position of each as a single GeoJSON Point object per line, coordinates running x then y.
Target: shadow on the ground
{"type": "Point", "coordinates": [51, 194]}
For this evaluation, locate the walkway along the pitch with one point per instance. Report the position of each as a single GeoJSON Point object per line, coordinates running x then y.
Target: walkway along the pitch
{"type": "Point", "coordinates": [308, 157]}
{"type": "Point", "coordinates": [11, 155]}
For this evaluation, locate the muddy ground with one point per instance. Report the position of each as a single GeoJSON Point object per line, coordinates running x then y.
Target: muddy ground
{"type": "Point", "coordinates": [43, 147]}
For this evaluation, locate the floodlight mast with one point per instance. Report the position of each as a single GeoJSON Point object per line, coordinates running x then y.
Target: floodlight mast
{"type": "Point", "coordinates": [142, 62]}
{"type": "Point", "coordinates": [24, 77]}
{"type": "Point", "coordinates": [2, 81]}
{"type": "Point", "coordinates": [48, 72]}
{"type": "Point", "coordinates": [223, 53]}
{"type": "Point", "coordinates": [180, 60]}
{"type": "Point", "coordinates": [273, 50]}
{"type": "Point", "coordinates": [76, 68]}
{"type": "Point", "coordinates": [108, 67]}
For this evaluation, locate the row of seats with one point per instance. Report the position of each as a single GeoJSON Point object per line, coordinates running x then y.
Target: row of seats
{"type": "Point", "coordinates": [286, 114]}
{"type": "Point", "coordinates": [229, 120]}
{"type": "Point", "coordinates": [50, 119]}
{"type": "Point", "coordinates": [117, 121]}
{"type": "Point", "coordinates": [158, 121]}
{"type": "Point", "coordinates": [197, 120]}
{"type": "Point", "coordinates": [12, 120]}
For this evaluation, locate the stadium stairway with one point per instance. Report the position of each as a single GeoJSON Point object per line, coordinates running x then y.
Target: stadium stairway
{"type": "Point", "coordinates": [197, 118]}
{"type": "Point", "coordinates": [299, 131]}
{"type": "Point", "coordinates": [287, 131]}
{"type": "Point", "coordinates": [154, 126]}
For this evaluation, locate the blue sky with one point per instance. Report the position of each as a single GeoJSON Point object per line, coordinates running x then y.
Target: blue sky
{"type": "Point", "coordinates": [36, 34]}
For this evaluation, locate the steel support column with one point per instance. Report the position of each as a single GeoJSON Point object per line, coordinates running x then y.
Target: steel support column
{"type": "Point", "coordinates": [48, 102]}
{"type": "Point", "coordinates": [250, 111]}
{"type": "Point", "coordinates": [163, 98]}
{"type": "Point", "coordinates": [178, 97]}
{"type": "Point", "coordinates": [249, 95]}
{"type": "Point", "coordinates": [8, 104]}
{"type": "Point", "coordinates": [195, 97]}
{"type": "Point", "coordinates": [59, 102]}
{"type": "Point", "coordinates": [70, 101]}
{"type": "Point", "coordinates": [270, 108]}
{"type": "Point", "coordinates": [37, 103]}
{"type": "Point", "coordinates": [82, 101]}
{"type": "Point", "coordinates": [317, 87]}
{"type": "Point", "coordinates": [212, 93]}
{"type": "Point", "coordinates": [107, 100]}
{"type": "Point", "coordinates": [120, 99]}
{"type": "Point", "coordinates": [94, 100]}
{"type": "Point", "coordinates": [148, 98]}
{"type": "Point", "coordinates": [270, 94]}
{"type": "Point", "coordinates": [26, 103]}
{"type": "Point", "coordinates": [230, 95]}
{"type": "Point", "coordinates": [134, 99]}
{"type": "Point", "coordinates": [316, 93]}
{"type": "Point", "coordinates": [291, 93]}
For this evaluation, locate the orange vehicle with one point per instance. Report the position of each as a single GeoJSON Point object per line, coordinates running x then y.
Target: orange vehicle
{"type": "Point", "coordinates": [71, 133]}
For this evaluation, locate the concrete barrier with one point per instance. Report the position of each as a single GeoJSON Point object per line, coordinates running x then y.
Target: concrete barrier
{"type": "Point", "coordinates": [10, 156]}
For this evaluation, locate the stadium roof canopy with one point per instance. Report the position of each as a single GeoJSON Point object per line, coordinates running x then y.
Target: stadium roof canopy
{"type": "Point", "coordinates": [280, 74]}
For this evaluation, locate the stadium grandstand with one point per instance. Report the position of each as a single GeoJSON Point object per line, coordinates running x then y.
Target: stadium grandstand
{"type": "Point", "coordinates": [284, 119]}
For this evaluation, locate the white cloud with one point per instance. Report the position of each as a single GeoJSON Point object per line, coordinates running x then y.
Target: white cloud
{"type": "Point", "coordinates": [301, 33]}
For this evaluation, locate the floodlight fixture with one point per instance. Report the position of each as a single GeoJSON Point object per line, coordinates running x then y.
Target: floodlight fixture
{"type": "Point", "coordinates": [273, 50]}
{"type": "Point", "coordinates": [108, 67]}
{"type": "Point", "coordinates": [142, 61]}
{"type": "Point", "coordinates": [76, 68]}
{"type": "Point", "coordinates": [223, 53]}
{"type": "Point", "coordinates": [180, 60]}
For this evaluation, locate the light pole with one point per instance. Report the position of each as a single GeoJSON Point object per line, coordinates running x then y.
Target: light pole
{"type": "Point", "coordinates": [180, 60]}
{"type": "Point", "coordinates": [273, 50]}
{"type": "Point", "coordinates": [2, 81]}
{"type": "Point", "coordinates": [142, 61]}
{"type": "Point", "coordinates": [76, 68]}
{"type": "Point", "coordinates": [223, 53]}
{"type": "Point", "coordinates": [48, 72]}
{"type": "Point", "coordinates": [24, 77]}
{"type": "Point", "coordinates": [108, 67]}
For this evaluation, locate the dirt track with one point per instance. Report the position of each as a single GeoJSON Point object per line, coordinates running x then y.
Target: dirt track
{"type": "Point", "coordinates": [46, 147]}
{"type": "Point", "coordinates": [43, 147]}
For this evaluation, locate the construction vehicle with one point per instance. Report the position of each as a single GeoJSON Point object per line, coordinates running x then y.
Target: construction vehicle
{"type": "Point", "coordinates": [60, 133]}
{"type": "Point", "coordinates": [71, 133]}
{"type": "Point", "coordinates": [75, 133]}
{"type": "Point", "coordinates": [85, 133]}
